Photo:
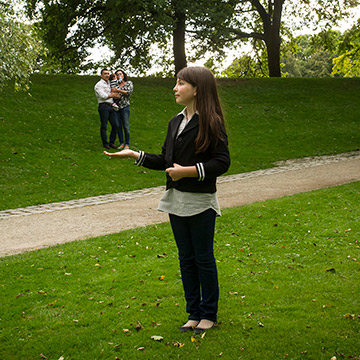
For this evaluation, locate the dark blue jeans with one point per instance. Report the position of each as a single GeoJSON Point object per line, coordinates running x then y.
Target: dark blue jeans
{"type": "Point", "coordinates": [123, 119]}
{"type": "Point", "coordinates": [107, 113]}
{"type": "Point", "coordinates": [194, 236]}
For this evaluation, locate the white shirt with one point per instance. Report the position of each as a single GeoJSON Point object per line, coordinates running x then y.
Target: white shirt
{"type": "Point", "coordinates": [102, 91]}
{"type": "Point", "coordinates": [182, 203]}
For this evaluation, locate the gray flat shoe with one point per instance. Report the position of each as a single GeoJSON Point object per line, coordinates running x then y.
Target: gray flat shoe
{"type": "Point", "coordinates": [199, 330]}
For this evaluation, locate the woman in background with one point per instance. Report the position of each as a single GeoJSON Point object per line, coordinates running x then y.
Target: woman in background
{"type": "Point", "coordinates": [125, 89]}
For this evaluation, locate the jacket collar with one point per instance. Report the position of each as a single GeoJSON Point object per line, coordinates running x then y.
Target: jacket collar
{"type": "Point", "coordinates": [194, 122]}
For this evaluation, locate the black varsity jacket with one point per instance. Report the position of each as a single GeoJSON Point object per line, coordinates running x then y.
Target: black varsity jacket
{"type": "Point", "coordinates": [181, 150]}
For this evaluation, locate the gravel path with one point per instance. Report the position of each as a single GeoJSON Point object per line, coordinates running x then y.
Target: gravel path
{"type": "Point", "coordinates": [35, 227]}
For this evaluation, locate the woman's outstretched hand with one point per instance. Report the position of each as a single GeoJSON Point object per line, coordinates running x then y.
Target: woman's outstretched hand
{"type": "Point", "coordinates": [124, 154]}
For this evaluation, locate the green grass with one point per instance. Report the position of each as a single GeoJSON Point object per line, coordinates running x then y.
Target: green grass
{"type": "Point", "coordinates": [289, 277]}
{"type": "Point", "coordinates": [50, 147]}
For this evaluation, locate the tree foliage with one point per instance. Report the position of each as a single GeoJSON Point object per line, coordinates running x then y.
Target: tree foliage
{"type": "Point", "coordinates": [132, 27]}
{"type": "Point", "coordinates": [348, 62]}
{"type": "Point", "coordinates": [18, 49]}
{"type": "Point", "coordinates": [325, 54]}
{"type": "Point", "coordinates": [311, 55]}
{"type": "Point", "coordinates": [271, 21]}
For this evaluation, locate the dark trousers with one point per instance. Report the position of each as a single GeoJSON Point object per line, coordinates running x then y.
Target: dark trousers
{"type": "Point", "coordinates": [107, 113]}
{"type": "Point", "coordinates": [194, 236]}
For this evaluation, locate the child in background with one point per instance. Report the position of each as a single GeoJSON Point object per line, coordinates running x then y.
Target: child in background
{"type": "Point", "coordinates": [114, 83]}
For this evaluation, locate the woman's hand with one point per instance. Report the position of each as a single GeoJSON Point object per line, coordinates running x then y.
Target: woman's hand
{"type": "Point", "coordinates": [177, 172]}
{"type": "Point", "coordinates": [124, 154]}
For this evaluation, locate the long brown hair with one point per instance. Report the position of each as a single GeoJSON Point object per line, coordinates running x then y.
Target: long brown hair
{"type": "Point", "coordinates": [211, 119]}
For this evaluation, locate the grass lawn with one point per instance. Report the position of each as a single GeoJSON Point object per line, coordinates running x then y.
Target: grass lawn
{"type": "Point", "coordinates": [289, 277]}
{"type": "Point", "coordinates": [50, 147]}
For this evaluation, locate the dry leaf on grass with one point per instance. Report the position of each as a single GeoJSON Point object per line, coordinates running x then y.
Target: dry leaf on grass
{"type": "Point", "coordinates": [157, 338]}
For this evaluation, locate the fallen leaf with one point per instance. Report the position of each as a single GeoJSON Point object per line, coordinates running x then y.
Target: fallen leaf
{"type": "Point", "coordinates": [140, 348]}
{"type": "Point", "coordinates": [177, 344]}
{"type": "Point", "coordinates": [157, 338]}
{"type": "Point", "coordinates": [138, 326]}
{"type": "Point", "coordinates": [193, 339]}
{"type": "Point", "coordinates": [327, 306]}
{"type": "Point", "coordinates": [43, 356]}
{"type": "Point", "coordinates": [349, 316]}
{"type": "Point", "coordinates": [162, 277]}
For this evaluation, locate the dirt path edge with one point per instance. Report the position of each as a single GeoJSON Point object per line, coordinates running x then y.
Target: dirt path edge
{"type": "Point", "coordinates": [30, 229]}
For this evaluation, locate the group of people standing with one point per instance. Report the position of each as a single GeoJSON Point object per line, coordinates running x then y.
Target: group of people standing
{"type": "Point", "coordinates": [114, 107]}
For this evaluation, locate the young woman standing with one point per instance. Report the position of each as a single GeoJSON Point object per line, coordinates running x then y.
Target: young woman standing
{"type": "Point", "coordinates": [194, 153]}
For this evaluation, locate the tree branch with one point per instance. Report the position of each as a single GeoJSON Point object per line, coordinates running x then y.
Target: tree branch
{"type": "Point", "coordinates": [243, 35]}
{"type": "Point", "coordinates": [260, 9]}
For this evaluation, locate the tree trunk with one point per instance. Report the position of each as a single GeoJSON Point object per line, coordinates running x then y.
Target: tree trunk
{"type": "Point", "coordinates": [271, 20]}
{"type": "Point", "coordinates": [179, 42]}
{"type": "Point", "coordinates": [273, 50]}
{"type": "Point", "coordinates": [272, 37]}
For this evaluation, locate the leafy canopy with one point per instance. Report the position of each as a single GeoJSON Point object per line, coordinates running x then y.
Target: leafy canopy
{"type": "Point", "coordinates": [18, 49]}
{"type": "Point", "coordinates": [348, 63]}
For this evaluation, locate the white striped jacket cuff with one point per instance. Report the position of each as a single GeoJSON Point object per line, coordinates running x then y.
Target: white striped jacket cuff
{"type": "Point", "coordinates": [201, 171]}
{"type": "Point", "coordinates": [141, 158]}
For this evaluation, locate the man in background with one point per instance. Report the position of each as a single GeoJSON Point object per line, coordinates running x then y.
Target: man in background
{"type": "Point", "coordinates": [105, 99]}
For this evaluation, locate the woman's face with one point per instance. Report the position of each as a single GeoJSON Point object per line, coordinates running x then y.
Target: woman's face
{"type": "Point", "coordinates": [120, 75]}
{"type": "Point", "coordinates": [184, 93]}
